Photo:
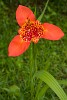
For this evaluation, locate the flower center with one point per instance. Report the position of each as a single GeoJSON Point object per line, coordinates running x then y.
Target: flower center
{"type": "Point", "coordinates": [31, 31]}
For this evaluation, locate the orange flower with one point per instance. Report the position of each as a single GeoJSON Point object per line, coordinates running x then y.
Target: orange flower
{"type": "Point", "coordinates": [31, 30]}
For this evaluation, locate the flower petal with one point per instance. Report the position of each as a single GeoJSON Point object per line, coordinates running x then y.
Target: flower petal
{"type": "Point", "coordinates": [52, 32]}
{"type": "Point", "coordinates": [23, 13]}
{"type": "Point", "coordinates": [17, 46]}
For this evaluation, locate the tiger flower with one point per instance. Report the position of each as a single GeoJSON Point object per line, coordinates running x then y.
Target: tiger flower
{"type": "Point", "coordinates": [31, 30]}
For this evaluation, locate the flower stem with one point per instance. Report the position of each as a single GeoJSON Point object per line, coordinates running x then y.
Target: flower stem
{"type": "Point", "coordinates": [31, 72]}
{"type": "Point", "coordinates": [35, 57]}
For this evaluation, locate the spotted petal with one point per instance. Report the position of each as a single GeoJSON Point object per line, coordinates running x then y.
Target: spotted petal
{"type": "Point", "coordinates": [52, 32]}
{"type": "Point", "coordinates": [23, 13]}
{"type": "Point", "coordinates": [17, 46]}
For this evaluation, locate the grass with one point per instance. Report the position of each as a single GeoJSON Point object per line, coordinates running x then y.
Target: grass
{"type": "Point", "coordinates": [51, 55]}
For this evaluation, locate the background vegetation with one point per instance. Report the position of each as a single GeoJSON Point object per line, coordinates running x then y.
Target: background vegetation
{"type": "Point", "coordinates": [14, 72]}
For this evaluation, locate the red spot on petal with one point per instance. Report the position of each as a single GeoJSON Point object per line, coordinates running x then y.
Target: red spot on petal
{"type": "Point", "coordinates": [31, 31]}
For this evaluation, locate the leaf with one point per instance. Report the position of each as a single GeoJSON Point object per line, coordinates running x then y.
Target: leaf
{"type": "Point", "coordinates": [40, 17]}
{"type": "Point", "coordinates": [14, 90]}
{"type": "Point", "coordinates": [42, 92]}
{"type": "Point", "coordinates": [52, 83]}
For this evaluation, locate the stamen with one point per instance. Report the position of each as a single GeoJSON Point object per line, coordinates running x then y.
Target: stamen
{"type": "Point", "coordinates": [31, 31]}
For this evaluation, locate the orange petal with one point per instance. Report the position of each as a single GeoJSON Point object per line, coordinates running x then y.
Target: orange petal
{"type": "Point", "coordinates": [23, 13]}
{"type": "Point", "coordinates": [52, 32]}
{"type": "Point", "coordinates": [17, 46]}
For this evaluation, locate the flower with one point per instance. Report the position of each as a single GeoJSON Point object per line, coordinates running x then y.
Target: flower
{"type": "Point", "coordinates": [31, 30]}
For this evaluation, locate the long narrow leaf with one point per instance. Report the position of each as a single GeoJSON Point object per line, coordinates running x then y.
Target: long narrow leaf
{"type": "Point", "coordinates": [40, 17]}
{"type": "Point", "coordinates": [42, 92]}
{"type": "Point", "coordinates": [52, 83]}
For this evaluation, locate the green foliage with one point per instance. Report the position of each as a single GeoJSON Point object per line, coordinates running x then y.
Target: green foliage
{"type": "Point", "coordinates": [52, 83]}
{"type": "Point", "coordinates": [52, 55]}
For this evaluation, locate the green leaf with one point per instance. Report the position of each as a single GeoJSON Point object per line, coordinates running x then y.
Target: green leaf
{"type": "Point", "coordinates": [35, 11]}
{"type": "Point", "coordinates": [41, 16]}
{"type": "Point", "coordinates": [52, 83]}
{"type": "Point", "coordinates": [14, 89]}
{"type": "Point", "coordinates": [42, 92]}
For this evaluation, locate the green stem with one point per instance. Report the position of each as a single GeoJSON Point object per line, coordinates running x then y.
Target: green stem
{"type": "Point", "coordinates": [31, 72]}
{"type": "Point", "coordinates": [35, 57]}
{"type": "Point", "coordinates": [33, 67]}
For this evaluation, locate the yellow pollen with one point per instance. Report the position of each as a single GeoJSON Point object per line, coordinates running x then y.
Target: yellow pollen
{"type": "Point", "coordinates": [31, 31]}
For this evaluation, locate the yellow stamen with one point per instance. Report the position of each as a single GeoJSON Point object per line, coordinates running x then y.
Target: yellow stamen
{"type": "Point", "coordinates": [31, 31]}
